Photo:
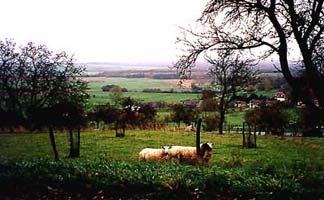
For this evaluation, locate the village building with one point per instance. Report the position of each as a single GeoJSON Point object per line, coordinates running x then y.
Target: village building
{"type": "Point", "coordinates": [255, 103]}
{"type": "Point", "coordinates": [240, 104]}
{"type": "Point", "coordinates": [280, 96]}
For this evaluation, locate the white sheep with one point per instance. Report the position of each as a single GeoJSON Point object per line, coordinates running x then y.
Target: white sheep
{"type": "Point", "coordinates": [151, 154]}
{"type": "Point", "coordinates": [189, 154]}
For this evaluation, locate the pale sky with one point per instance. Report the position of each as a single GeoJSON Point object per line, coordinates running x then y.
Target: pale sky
{"type": "Point", "coordinates": [136, 31]}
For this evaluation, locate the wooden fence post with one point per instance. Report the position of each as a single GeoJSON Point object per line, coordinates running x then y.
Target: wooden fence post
{"type": "Point", "coordinates": [243, 134]}
{"type": "Point", "coordinates": [255, 133]}
{"type": "Point", "coordinates": [249, 138]}
{"type": "Point", "coordinates": [198, 137]}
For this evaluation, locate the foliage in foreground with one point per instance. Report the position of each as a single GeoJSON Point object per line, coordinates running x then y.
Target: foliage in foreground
{"type": "Point", "coordinates": [135, 180]}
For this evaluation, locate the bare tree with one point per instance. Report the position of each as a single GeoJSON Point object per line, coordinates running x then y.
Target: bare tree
{"type": "Point", "coordinates": [281, 27]}
{"type": "Point", "coordinates": [33, 80]}
{"type": "Point", "coordinates": [231, 75]}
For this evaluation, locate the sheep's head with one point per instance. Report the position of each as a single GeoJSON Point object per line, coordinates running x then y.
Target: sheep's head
{"type": "Point", "coordinates": [206, 150]}
{"type": "Point", "coordinates": [165, 149]}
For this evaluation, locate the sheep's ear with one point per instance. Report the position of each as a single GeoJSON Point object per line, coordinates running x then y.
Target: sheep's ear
{"type": "Point", "coordinates": [206, 146]}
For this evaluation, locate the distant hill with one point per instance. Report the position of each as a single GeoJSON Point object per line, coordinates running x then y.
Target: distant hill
{"type": "Point", "coordinates": [264, 66]}
{"type": "Point", "coordinates": [110, 66]}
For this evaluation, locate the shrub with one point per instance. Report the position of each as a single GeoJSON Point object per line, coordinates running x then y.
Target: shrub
{"type": "Point", "coordinates": [210, 122]}
{"type": "Point", "coordinates": [273, 118]}
{"type": "Point", "coordinates": [181, 113]}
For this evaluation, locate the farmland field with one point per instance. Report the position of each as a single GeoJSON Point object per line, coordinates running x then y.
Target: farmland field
{"type": "Point", "coordinates": [103, 97]}
{"type": "Point", "coordinates": [135, 86]}
{"type": "Point", "coordinates": [267, 93]}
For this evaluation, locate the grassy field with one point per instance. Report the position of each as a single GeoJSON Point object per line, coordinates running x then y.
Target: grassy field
{"type": "Point", "coordinates": [135, 87]}
{"type": "Point", "coordinates": [103, 97]}
{"type": "Point", "coordinates": [133, 84]}
{"type": "Point", "coordinates": [269, 93]}
{"type": "Point", "coordinates": [104, 145]}
{"type": "Point", "coordinates": [279, 168]}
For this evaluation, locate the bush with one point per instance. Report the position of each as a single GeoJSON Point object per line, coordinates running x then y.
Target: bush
{"type": "Point", "coordinates": [181, 113]}
{"type": "Point", "coordinates": [152, 90]}
{"type": "Point", "coordinates": [273, 118]}
{"type": "Point", "coordinates": [210, 122]}
{"type": "Point", "coordinates": [107, 88]}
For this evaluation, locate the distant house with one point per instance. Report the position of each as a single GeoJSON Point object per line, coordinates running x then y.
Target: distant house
{"type": "Point", "coordinates": [240, 104]}
{"type": "Point", "coordinates": [280, 96]}
{"type": "Point", "coordinates": [255, 103]}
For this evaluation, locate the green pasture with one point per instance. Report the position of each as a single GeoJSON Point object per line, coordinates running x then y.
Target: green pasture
{"type": "Point", "coordinates": [279, 168]}
{"type": "Point", "coordinates": [103, 97]}
{"type": "Point", "coordinates": [235, 118]}
{"type": "Point", "coordinates": [135, 87]}
{"type": "Point", "coordinates": [268, 93]}
{"type": "Point", "coordinates": [133, 84]}
{"type": "Point", "coordinates": [99, 145]}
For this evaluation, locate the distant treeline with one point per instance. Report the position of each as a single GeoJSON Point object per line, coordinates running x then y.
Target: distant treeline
{"type": "Point", "coordinates": [107, 88]}
{"type": "Point", "coordinates": [153, 74]}
{"type": "Point", "coordinates": [143, 75]}
{"type": "Point", "coordinates": [157, 90]}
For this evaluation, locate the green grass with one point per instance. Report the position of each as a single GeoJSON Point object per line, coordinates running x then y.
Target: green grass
{"type": "Point", "coordinates": [104, 145]}
{"type": "Point", "coordinates": [134, 84]}
{"type": "Point", "coordinates": [236, 118]}
{"type": "Point", "coordinates": [103, 97]}
{"type": "Point", "coordinates": [268, 93]}
{"type": "Point", "coordinates": [135, 87]}
{"type": "Point", "coordinates": [278, 168]}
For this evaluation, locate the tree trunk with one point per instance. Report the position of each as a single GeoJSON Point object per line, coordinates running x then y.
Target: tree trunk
{"type": "Point", "coordinates": [255, 133]}
{"type": "Point", "coordinates": [71, 143]}
{"type": "Point", "coordinates": [243, 135]}
{"type": "Point", "coordinates": [53, 143]}
{"type": "Point", "coordinates": [74, 144]}
{"type": "Point", "coordinates": [249, 136]}
{"type": "Point", "coordinates": [79, 143]}
{"type": "Point", "coordinates": [198, 137]}
{"type": "Point", "coordinates": [221, 121]}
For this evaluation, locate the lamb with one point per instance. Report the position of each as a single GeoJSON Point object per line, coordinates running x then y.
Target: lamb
{"type": "Point", "coordinates": [151, 154]}
{"type": "Point", "coordinates": [189, 154]}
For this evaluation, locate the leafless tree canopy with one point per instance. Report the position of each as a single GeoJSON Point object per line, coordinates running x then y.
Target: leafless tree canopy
{"type": "Point", "coordinates": [231, 74]}
{"type": "Point", "coordinates": [33, 77]}
{"type": "Point", "coordinates": [276, 25]}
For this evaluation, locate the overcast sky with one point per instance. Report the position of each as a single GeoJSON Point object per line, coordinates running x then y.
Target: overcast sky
{"type": "Point", "coordinates": [136, 31]}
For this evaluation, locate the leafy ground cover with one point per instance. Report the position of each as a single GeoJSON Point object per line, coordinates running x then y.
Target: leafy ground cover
{"type": "Point", "coordinates": [279, 168]}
